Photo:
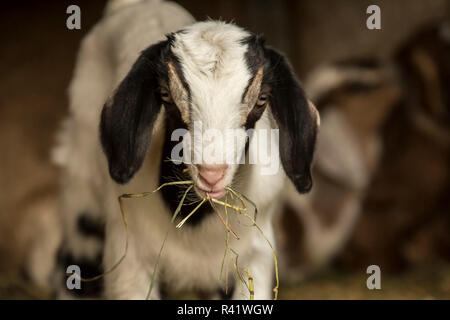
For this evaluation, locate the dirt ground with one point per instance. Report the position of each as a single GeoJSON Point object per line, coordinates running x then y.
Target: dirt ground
{"type": "Point", "coordinates": [424, 283]}
{"type": "Point", "coordinates": [37, 56]}
{"type": "Point", "coordinates": [428, 283]}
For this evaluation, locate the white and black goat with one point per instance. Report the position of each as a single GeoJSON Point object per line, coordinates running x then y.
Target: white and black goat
{"type": "Point", "coordinates": [210, 72]}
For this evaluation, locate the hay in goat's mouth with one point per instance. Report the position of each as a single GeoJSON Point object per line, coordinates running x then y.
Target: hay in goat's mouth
{"type": "Point", "coordinates": [241, 210]}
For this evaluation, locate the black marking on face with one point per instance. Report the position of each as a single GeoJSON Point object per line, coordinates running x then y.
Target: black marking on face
{"type": "Point", "coordinates": [254, 115]}
{"type": "Point", "coordinates": [127, 119]}
{"type": "Point", "coordinates": [177, 65]}
{"type": "Point", "coordinates": [254, 58]}
{"type": "Point", "coordinates": [170, 171]}
{"type": "Point", "coordinates": [90, 226]}
{"type": "Point", "coordinates": [290, 109]}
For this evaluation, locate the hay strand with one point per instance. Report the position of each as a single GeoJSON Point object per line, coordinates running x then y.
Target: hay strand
{"type": "Point", "coordinates": [251, 286]}
{"type": "Point", "coordinates": [125, 223]}
{"type": "Point", "coordinates": [227, 242]}
{"type": "Point", "coordinates": [275, 260]}
{"type": "Point", "coordinates": [240, 196]}
{"type": "Point", "coordinates": [155, 269]}
{"type": "Point", "coordinates": [240, 277]}
{"type": "Point", "coordinates": [228, 205]}
{"type": "Point", "coordinates": [191, 213]}
{"type": "Point", "coordinates": [227, 226]}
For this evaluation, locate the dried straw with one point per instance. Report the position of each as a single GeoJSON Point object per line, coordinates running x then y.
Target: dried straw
{"type": "Point", "coordinates": [238, 210]}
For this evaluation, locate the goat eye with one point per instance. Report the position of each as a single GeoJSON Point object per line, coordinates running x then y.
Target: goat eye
{"type": "Point", "coordinates": [165, 95]}
{"type": "Point", "coordinates": [262, 100]}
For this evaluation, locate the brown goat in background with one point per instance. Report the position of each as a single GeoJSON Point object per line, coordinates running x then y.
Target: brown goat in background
{"type": "Point", "coordinates": [382, 170]}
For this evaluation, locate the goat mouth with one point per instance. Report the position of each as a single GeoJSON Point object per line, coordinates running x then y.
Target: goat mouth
{"type": "Point", "coordinates": [219, 193]}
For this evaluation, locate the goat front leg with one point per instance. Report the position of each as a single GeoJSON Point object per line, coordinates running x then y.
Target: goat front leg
{"type": "Point", "coordinates": [131, 279]}
{"type": "Point", "coordinates": [83, 239]}
{"type": "Point", "coordinates": [261, 267]}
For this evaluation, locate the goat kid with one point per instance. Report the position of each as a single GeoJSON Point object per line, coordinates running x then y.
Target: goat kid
{"type": "Point", "coordinates": [211, 72]}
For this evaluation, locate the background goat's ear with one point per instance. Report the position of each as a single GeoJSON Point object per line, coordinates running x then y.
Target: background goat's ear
{"type": "Point", "coordinates": [127, 118]}
{"type": "Point", "coordinates": [297, 119]}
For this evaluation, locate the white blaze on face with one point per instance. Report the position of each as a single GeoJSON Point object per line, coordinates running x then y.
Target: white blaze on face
{"type": "Point", "coordinates": [212, 59]}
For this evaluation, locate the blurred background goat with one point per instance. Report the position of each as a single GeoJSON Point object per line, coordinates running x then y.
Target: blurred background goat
{"type": "Point", "coordinates": [382, 165]}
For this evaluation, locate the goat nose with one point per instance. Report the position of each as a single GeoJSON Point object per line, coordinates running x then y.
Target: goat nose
{"type": "Point", "coordinates": [211, 174]}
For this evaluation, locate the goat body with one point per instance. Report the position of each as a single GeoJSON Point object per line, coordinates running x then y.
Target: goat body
{"type": "Point", "coordinates": [213, 72]}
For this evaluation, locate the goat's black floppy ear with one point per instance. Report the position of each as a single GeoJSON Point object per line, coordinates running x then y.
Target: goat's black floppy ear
{"type": "Point", "coordinates": [127, 118]}
{"type": "Point", "coordinates": [297, 119]}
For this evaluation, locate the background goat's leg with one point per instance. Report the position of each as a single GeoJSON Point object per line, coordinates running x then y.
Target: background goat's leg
{"type": "Point", "coordinates": [83, 174]}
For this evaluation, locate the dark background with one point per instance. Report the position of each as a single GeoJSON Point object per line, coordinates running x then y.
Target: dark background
{"type": "Point", "coordinates": [37, 56]}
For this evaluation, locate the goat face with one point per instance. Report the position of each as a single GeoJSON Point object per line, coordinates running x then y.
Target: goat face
{"type": "Point", "coordinates": [223, 79]}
